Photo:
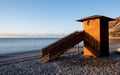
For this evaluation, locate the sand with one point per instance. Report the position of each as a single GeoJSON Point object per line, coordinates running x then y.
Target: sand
{"type": "Point", "coordinates": [27, 63]}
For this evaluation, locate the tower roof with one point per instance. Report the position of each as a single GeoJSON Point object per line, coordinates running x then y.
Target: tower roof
{"type": "Point", "coordinates": [93, 17]}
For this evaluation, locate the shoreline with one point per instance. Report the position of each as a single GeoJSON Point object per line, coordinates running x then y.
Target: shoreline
{"type": "Point", "coordinates": [114, 38]}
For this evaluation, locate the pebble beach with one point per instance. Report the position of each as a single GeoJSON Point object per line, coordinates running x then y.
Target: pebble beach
{"type": "Point", "coordinates": [70, 63]}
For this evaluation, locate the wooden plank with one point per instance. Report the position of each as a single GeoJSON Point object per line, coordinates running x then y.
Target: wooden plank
{"type": "Point", "coordinates": [55, 49]}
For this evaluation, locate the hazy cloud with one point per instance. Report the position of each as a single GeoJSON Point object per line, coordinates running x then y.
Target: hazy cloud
{"type": "Point", "coordinates": [13, 35]}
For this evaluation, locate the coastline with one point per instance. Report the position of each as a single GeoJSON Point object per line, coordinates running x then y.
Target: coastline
{"type": "Point", "coordinates": [114, 38]}
{"type": "Point", "coordinates": [28, 63]}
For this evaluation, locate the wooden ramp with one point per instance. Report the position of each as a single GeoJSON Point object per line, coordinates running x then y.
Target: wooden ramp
{"type": "Point", "coordinates": [57, 48]}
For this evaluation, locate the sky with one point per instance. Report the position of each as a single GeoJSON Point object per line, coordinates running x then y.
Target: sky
{"type": "Point", "coordinates": [50, 18]}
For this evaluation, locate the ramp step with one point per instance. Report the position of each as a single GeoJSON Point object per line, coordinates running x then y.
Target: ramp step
{"type": "Point", "coordinates": [45, 59]}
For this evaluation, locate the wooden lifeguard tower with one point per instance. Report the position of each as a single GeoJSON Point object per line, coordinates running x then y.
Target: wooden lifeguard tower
{"type": "Point", "coordinates": [96, 35]}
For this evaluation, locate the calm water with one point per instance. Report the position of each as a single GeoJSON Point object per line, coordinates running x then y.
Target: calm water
{"type": "Point", "coordinates": [15, 45]}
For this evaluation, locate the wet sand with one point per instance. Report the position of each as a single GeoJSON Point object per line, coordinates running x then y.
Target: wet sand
{"type": "Point", "coordinates": [27, 63]}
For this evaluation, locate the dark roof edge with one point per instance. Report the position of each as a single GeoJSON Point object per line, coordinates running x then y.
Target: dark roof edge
{"type": "Point", "coordinates": [92, 17]}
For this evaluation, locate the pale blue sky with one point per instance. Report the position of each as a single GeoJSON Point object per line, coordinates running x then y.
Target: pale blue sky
{"type": "Point", "coordinates": [51, 16]}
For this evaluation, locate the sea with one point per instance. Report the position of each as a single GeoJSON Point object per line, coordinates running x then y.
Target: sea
{"type": "Point", "coordinates": [17, 45]}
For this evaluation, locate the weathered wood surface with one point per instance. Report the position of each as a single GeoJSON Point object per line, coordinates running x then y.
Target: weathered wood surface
{"type": "Point", "coordinates": [57, 48]}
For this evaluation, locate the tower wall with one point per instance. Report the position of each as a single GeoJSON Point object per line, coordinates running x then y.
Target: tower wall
{"type": "Point", "coordinates": [92, 37]}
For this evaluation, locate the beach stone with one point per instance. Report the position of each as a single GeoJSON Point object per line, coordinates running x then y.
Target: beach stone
{"type": "Point", "coordinates": [71, 64]}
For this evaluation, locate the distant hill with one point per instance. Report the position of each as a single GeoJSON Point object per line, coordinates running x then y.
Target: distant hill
{"type": "Point", "coordinates": [114, 29]}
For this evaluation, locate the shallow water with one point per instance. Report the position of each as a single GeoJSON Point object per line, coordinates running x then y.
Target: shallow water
{"type": "Point", "coordinates": [15, 45]}
{"type": "Point", "coordinates": [114, 45]}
